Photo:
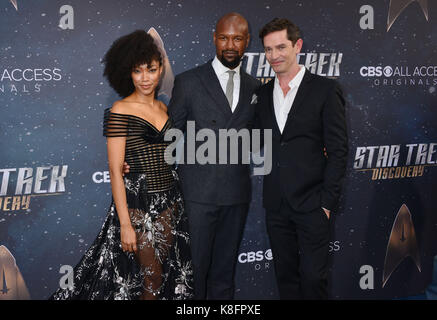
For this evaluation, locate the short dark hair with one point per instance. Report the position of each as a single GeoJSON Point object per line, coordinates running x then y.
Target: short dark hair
{"type": "Point", "coordinates": [278, 24]}
{"type": "Point", "coordinates": [124, 55]}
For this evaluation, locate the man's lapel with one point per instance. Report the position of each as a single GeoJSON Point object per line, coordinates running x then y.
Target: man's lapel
{"type": "Point", "coordinates": [302, 92]}
{"type": "Point", "coordinates": [213, 87]}
{"type": "Point", "coordinates": [276, 131]}
{"type": "Point", "coordinates": [243, 95]}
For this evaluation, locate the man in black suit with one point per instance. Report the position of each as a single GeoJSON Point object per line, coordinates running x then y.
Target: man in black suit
{"type": "Point", "coordinates": [307, 115]}
{"type": "Point", "coordinates": [216, 95]}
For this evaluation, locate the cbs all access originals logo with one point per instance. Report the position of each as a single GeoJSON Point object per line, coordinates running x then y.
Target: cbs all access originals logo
{"type": "Point", "coordinates": [262, 259]}
{"type": "Point", "coordinates": [322, 64]}
{"type": "Point", "coordinates": [101, 177]}
{"type": "Point", "coordinates": [30, 79]}
{"type": "Point", "coordinates": [19, 185]}
{"type": "Point", "coordinates": [396, 161]}
{"type": "Point", "coordinates": [403, 75]}
{"type": "Point", "coordinates": [27, 80]}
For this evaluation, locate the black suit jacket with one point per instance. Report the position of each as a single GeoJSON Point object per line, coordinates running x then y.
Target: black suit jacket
{"type": "Point", "coordinates": [197, 96]}
{"type": "Point", "coordinates": [301, 173]}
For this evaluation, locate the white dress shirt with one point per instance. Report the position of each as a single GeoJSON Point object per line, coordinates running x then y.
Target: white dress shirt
{"type": "Point", "coordinates": [281, 103]}
{"type": "Point", "coordinates": [223, 76]}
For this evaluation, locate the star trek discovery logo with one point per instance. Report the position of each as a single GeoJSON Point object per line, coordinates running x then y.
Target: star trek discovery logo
{"type": "Point", "coordinates": [322, 64]}
{"type": "Point", "coordinates": [42, 181]}
{"type": "Point", "coordinates": [397, 6]}
{"type": "Point", "coordinates": [396, 161]}
{"type": "Point", "coordinates": [14, 3]}
{"type": "Point", "coordinates": [402, 244]}
{"type": "Point", "coordinates": [12, 284]}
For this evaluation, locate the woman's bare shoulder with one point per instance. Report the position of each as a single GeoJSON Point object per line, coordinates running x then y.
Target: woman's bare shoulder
{"type": "Point", "coordinates": [162, 106]}
{"type": "Point", "coordinates": [121, 106]}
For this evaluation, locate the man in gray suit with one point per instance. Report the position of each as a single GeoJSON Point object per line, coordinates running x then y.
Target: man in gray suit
{"type": "Point", "coordinates": [216, 95]}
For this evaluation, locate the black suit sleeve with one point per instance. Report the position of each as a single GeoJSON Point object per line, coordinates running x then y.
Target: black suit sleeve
{"type": "Point", "coordinates": [178, 106]}
{"type": "Point", "coordinates": [335, 140]}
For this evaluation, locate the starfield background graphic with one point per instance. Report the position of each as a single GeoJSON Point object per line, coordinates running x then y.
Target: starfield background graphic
{"type": "Point", "coordinates": [55, 187]}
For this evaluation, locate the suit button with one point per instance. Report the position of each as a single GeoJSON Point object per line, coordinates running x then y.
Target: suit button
{"type": "Point", "coordinates": [213, 121]}
{"type": "Point", "coordinates": [283, 144]}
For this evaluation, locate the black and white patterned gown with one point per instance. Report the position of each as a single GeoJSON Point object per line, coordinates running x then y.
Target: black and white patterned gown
{"type": "Point", "coordinates": [161, 268]}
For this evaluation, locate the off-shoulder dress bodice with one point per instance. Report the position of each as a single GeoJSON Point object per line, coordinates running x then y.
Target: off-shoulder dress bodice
{"type": "Point", "coordinates": [145, 147]}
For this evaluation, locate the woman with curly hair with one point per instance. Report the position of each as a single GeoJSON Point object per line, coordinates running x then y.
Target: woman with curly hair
{"type": "Point", "coordinates": [142, 250]}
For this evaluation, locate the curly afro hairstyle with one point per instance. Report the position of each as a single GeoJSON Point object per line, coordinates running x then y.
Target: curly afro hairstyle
{"type": "Point", "coordinates": [124, 55]}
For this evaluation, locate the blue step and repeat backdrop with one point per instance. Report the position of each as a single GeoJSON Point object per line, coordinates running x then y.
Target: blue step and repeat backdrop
{"type": "Point", "coordinates": [55, 187]}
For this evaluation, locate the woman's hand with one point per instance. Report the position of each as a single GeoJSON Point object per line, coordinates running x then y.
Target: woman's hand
{"type": "Point", "coordinates": [126, 168]}
{"type": "Point", "coordinates": [128, 238]}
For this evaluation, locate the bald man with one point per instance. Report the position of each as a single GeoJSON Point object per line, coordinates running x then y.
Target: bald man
{"type": "Point", "coordinates": [216, 95]}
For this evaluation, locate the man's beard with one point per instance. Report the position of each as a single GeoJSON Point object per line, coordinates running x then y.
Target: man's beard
{"type": "Point", "coordinates": [230, 64]}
